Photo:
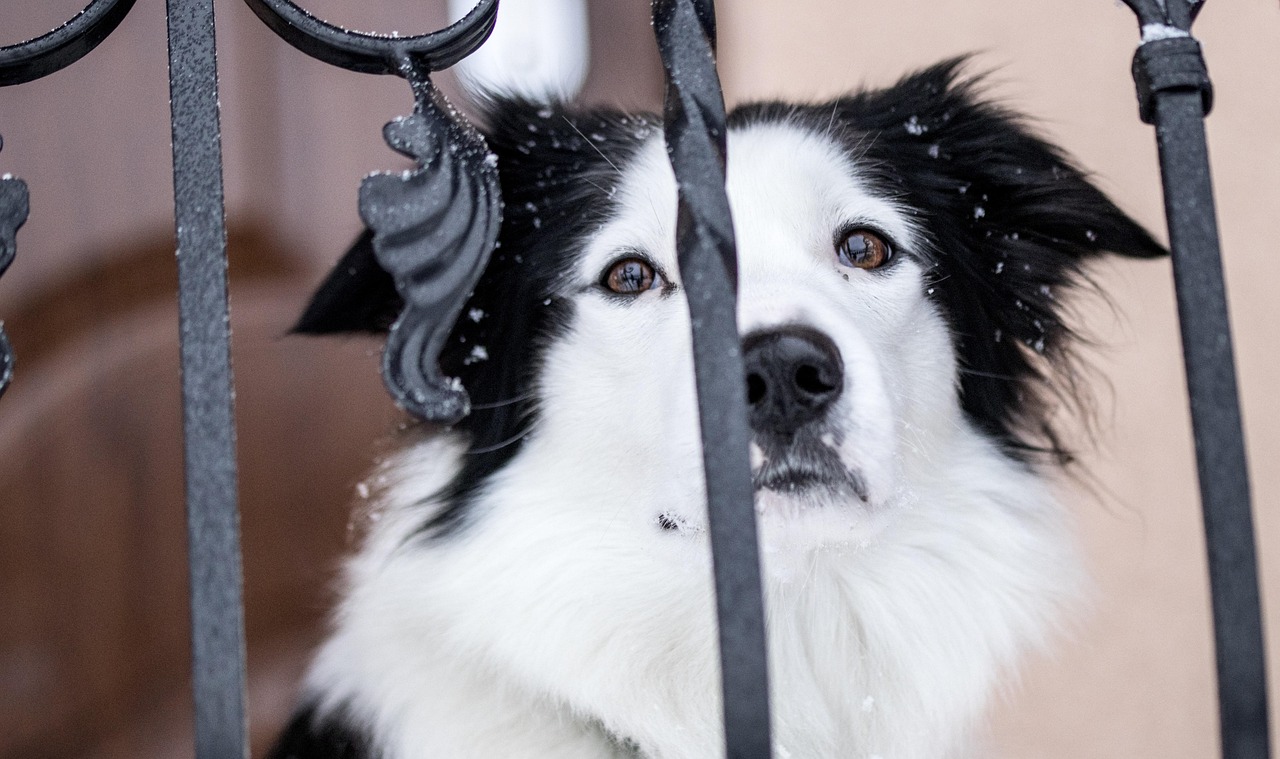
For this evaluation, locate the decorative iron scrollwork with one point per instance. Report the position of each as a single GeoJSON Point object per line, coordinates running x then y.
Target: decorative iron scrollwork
{"type": "Point", "coordinates": [25, 62]}
{"type": "Point", "coordinates": [14, 206]}
{"type": "Point", "coordinates": [435, 226]}
{"type": "Point", "coordinates": [433, 230]}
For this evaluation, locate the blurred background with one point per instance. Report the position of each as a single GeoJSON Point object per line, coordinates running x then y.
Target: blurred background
{"type": "Point", "coordinates": [93, 615]}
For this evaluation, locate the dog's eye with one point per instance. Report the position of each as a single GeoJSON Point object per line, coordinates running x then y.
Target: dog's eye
{"type": "Point", "coordinates": [631, 276]}
{"type": "Point", "coordinates": [863, 249]}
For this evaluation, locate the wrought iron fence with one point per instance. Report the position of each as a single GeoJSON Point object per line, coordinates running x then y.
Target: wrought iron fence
{"type": "Point", "coordinates": [1174, 94]}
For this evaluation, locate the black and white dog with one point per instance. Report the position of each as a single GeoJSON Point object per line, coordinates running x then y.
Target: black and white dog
{"type": "Point", "coordinates": [536, 582]}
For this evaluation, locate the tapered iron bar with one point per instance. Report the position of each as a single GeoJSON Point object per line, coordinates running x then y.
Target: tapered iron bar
{"type": "Point", "coordinates": [696, 144]}
{"type": "Point", "coordinates": [1175, 95]}
{"type": "Point", "coordinates": [213, 519]}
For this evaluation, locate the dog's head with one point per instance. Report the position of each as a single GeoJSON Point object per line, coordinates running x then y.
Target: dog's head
{"type": "Point", "coordinates": [902, 253]}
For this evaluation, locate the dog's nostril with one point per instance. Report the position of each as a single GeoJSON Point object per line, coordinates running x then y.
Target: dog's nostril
{"type": "Point", "coordinates": [809, 379]}
{"type": "Point", "coordinates": [755, 388]}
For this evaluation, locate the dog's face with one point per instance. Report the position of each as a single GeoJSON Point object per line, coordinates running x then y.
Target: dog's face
{"type": "Point", "coordinates": [845, 355]}
{"type": "Point", "coordinates": [901, 256]}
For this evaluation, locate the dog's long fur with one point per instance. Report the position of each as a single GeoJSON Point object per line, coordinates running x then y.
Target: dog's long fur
{"type": "Point", "coordinates": [536, 582]}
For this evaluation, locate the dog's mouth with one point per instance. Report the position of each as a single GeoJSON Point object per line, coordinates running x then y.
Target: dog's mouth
{"type": "Point", "coordinates": [802, 467]}
{"type": "Point", "coordinates": [803, 471]}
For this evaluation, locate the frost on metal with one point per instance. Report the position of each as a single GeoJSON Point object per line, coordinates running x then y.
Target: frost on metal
{"type": "Point", "coordinates": [1153, 32]}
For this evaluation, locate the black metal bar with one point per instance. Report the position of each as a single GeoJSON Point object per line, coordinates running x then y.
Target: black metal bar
{"type": "Point", "coordinates": [695, 133]}
{"type": "Point", "coordinates": [213, 529]}
{"type": "Point", "coordinates": [1174, 94]}
{"type": "Point", "coordinates": [63, 46]}
{"type": "Point", "coordinates": [1215, 417]}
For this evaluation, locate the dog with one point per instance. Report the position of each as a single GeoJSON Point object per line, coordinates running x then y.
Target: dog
{"type": "Point", "coordinates": [536, 581]}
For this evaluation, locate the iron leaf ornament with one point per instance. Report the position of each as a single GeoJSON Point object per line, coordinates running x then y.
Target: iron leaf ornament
{"type": "Point", "coordinates": [14, 207]}
{"type": "Point", "coordinates": [433, 230]}
{"type": "Point", "coordinates": [433, 227]}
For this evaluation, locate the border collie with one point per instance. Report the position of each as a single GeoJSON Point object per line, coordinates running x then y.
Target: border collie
{"type": "Point", "coordinates": [536, 582]}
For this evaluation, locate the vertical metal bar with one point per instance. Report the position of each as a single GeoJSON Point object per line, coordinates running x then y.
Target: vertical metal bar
{"type": "Point", "coordinates": [1175, 94]}
{"type": "Point", "coordinates": [217, 614]}
{"type": "Point", "coordinates": [1216, 423]}
{"type": "Point", "coordinates": [695, 133]}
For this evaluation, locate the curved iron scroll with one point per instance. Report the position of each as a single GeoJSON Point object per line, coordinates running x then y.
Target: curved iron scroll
{"type": "Point", "coordinates": [1174, 94]}
{"type": "Point", "coordinates": [377, 53]}
{"type": "Point", "coordinates": [695, 133]}
{"type": "Point", "coordinates": [35, 58]}
{"type": "Point", "coordinates": [433, 227]}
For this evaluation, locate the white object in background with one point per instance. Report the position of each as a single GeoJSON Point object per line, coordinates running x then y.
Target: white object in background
{"type": "Point", "coordinates": [539, 48]}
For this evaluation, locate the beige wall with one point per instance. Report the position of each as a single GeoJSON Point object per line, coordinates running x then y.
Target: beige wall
{"type": "Point", "coordinates": [1134, 679]}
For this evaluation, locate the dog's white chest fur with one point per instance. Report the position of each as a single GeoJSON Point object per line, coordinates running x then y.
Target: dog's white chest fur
{"type": "Point", "coordinates": [520, 642]}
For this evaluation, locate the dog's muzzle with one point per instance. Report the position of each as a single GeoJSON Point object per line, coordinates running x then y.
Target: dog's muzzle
{"type": "Point", "coordinates": [794, 376]}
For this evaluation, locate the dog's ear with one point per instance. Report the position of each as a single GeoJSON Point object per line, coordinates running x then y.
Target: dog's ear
{"type": "Point", "coordinates": [1011, 224]}
{"type": "Point", "coordinates": [357, 296]}
{"type": "Point", "coordinates": [955, 153]}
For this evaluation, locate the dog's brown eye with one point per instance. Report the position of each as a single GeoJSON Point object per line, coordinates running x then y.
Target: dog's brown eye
{"type": "Point", "coordinates": [631, 276]}
{"type": "Point", "coordinates": [864, 249]}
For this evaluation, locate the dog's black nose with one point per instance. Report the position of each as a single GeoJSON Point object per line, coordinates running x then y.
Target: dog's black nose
{"type": "Point", "coordinates": [793, 375]}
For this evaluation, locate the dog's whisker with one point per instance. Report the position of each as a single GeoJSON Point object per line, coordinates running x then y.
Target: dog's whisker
{"type": "Point", "coordinates": [592, 144]}
{"type": "Point", "coordinates": [835, 106]}
{"type": "Point", "coordinates": [499, 446]}
{"type": "Point", "coordinates": [991, 375]}
{"type": "Point", "coordinates": [593, 184]}
{"type": "Point", "coordinates": [500, 404]}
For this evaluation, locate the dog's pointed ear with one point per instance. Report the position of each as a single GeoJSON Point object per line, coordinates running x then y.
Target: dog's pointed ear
{"type": "Point", "coordinates": [958, 153]}
{"type": "Point", "coordinates": [1010, 226]}
{"type": "Point", "coordinates": [357, 296]}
